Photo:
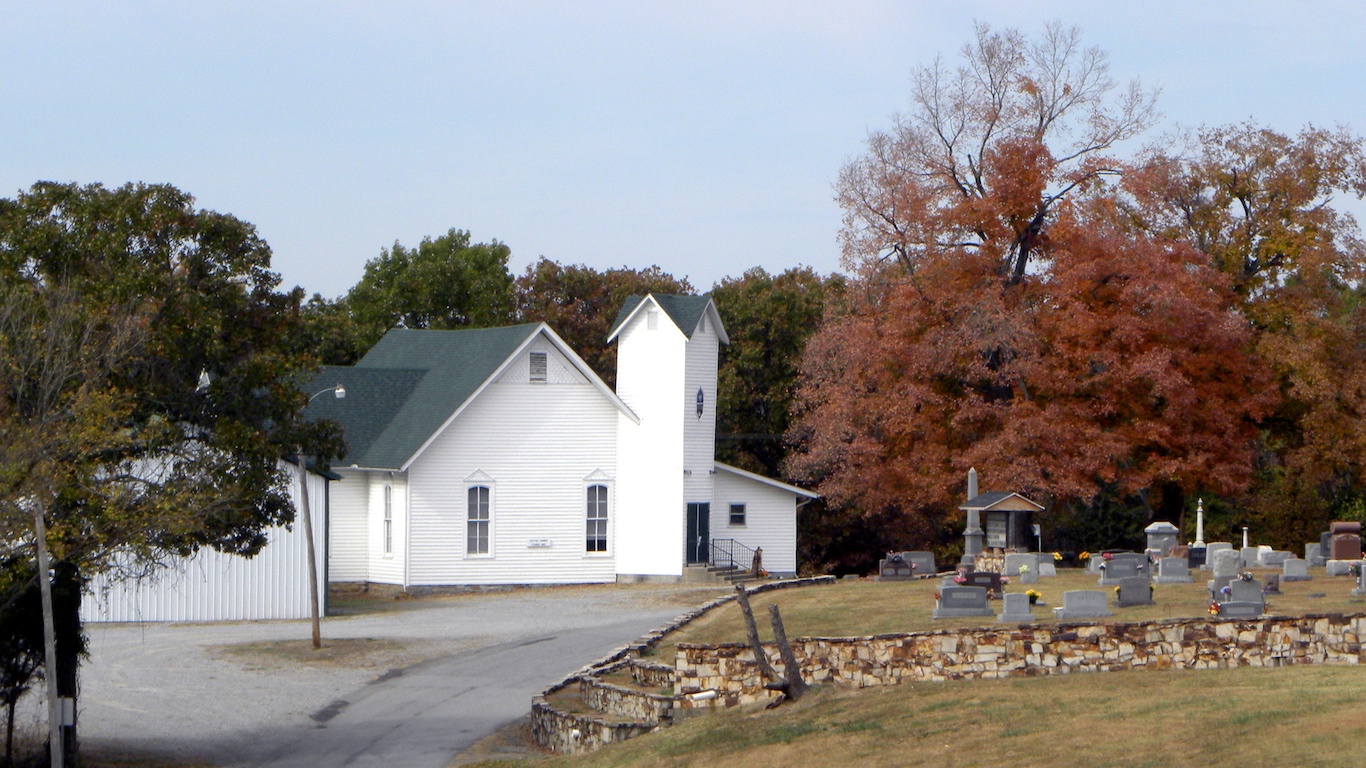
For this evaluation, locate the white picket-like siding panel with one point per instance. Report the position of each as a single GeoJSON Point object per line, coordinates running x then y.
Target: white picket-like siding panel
{"type": "Point", "coordinates": [347, 527]}
{"type": "Point", "coordinates": [699, 435]}
{"type": "Point", "coordinates": [651, 381]}
{"type": "Point", "coordinates": [387, 569]}
{"type": "Point", "coordinates": [538, 442]}
{"type": "Point", "coordinates": [212, 586]}
{"type": "Point", "coordinates": [770, 519]}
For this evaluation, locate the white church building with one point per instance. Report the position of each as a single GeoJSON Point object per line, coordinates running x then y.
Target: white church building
{"type": "Point", "coordinates": [497, 456]}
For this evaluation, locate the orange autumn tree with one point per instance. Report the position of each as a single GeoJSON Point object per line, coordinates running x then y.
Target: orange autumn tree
{"type": "Point", "coordinates": [1006, 316]}
{"type": "Point", "coordinates": [1263, 206]}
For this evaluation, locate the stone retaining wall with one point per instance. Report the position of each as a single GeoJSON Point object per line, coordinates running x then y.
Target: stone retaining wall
{"type": "Point", "coordinates": [957, 654]}
{"type": "Point", "coordinates": [574, 734]}
{"type": "Point", "coordinates": [626, 703]}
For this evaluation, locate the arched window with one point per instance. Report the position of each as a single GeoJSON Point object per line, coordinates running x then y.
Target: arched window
{"type": "Point", "coordinates": [479, 521]}
{"type": "Point", "coordinates": [388, 520]}
{"type": "Point", "coordinates": [597, 519]}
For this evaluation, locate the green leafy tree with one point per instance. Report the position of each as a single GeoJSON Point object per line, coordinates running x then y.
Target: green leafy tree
{"type": "Point", "coordinates": [581, 303]}
{"type": "Point", "coordinates": [115, 304]}
{"type": "Point", "coordinates": [444, 283]}
{"type": "Point", "coordinates": [768, 319]}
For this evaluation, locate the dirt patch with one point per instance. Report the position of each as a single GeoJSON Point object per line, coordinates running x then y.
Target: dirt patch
{"type": "Point", "coordinates": [349, 652]}
{"type": "Point", "coordinates": [509, 743]}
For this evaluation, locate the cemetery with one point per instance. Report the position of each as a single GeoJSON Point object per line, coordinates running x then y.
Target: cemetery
{"type": "Point", "coordinates": [998, 615]}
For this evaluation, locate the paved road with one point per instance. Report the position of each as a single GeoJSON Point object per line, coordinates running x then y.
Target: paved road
{"type": "Point", "coordinates": [445, 673]}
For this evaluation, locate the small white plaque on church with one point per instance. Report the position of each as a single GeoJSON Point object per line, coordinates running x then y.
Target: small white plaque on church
{"type": "Point", "coordinates": [538, 543]}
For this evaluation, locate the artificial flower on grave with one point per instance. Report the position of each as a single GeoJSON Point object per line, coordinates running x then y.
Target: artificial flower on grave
{"type": "Point", "coordinates": [1084, 556]}
{"type": "Point", "coordinates": [1057, 557]}
{"type": "Point", "coordinates": [1107, 555]}
{"type": "Point", "coordinates": [1034, 596]}
{"type": "Point", "coordinates": [1116, 591]}
{"type": "Point", "coordinates": [1023, 569]}
{"type": "Point", "coordinates": [1214, 608]}
{"type": "Point", "coordinates": [1005, 580]}
{"type": "Point", "coordinates": [936, 594]}
{"type": "Point", "coordinates": [960, 579]}
{"type": "Point", "coordinates": [1245, 576]}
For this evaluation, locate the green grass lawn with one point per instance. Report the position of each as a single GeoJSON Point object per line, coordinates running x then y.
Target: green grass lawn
{"type": "Point", "coordinates": [1302, 716]}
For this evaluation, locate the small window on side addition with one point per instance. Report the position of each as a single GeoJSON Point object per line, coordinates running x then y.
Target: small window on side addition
{"type": "Point", "coordinates": [737, 514]}
{"type": "Point", "coordinates": [538, 366]}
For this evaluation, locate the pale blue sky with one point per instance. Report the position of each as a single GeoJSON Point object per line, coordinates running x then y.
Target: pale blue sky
{"type": "Point", "coordinates": [700, 136]}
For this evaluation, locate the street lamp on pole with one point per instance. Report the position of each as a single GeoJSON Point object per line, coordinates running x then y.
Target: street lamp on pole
{"type": "Point", "coordinates": [307, 516]}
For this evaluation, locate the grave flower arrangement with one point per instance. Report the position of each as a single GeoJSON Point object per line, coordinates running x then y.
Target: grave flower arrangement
{"type": "Point", "coordinates": [1057, 557]}
{"type": "Point", "coordinates": [1084, 556]}
{"type": "Point", "coordinates": [1023, 569]}
{"type": "Point", "coordinates": [1245, 576]}
{"type": "Point", "coordinates": [1214, 608]}
{"type": "Point", "coordinates": [961, 578]}
{"type": "Point", "coordinates": [1034, 596]}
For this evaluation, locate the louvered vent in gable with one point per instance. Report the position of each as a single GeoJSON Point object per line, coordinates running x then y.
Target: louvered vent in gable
{"type": "Point", "coordinates": [538, 367]}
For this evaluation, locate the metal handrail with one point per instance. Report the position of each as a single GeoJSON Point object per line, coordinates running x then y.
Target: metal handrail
{"type": "Point", "coordinates": [725, 551]}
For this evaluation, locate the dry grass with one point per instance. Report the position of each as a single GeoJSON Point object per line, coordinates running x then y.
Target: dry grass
{"type": "Point", "coordinates": [1307, 715]}
{"type": "Point", "coordinates": [347, 652]}
{"type": "Point", "coordinates": [1303, 716]}
{"type": "Point", "coordinates": [867, 607]}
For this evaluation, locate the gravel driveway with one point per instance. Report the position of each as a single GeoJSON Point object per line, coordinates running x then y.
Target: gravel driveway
{"type": "Point", "coordinates": [234, 694]}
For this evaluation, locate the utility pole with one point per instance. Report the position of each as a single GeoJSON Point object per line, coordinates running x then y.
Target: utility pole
{"type": "Point", "coordinates": [54, 703]}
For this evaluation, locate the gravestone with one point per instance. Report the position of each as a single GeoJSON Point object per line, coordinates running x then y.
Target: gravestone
{"type": "Point", "coordinates": [1250, 556]}
{"type": "Point", "coordinates": [1235, 610]}
{"type": "Point", "coordinates": [991, 582]}
{"type": "Point", "coordinates": [1122, 566]}
{"type": "Point", "coordinates": [1295, 569]}
{"type": "Point", "coordinates": [1274, 558]}
{"type": "Point", "coordinates": [1339, 567]}
{"type": "Point", "coordinates": [1134, 590]}
{"type": "Point", "coordinates": [1212, 548]}
{"type": "Point", "coordinates": [894, 567]}
{"type": "Point", "coordinates": [923, 562]}
{"type": "Point", "coordinates": [1245, 591]}
{"type": "Point", "coordinates": [1015, 607]}
{"type": "Point", "coordinates": [1083, 604]}
{"type": "Point", "coordinates": [956, 601]}
{"type": "Point", "coordinates": [1196, 557]}
{"type": "Point", "coordinates": [1162, 536]}
{"type": "Point", "coordinates": [1313, 554]}
{"type": "Point", "coordinates": [1360, 590]}
{"type": "Point", "coordinates": [1093, 564]}
{"type": "Point", "coordinates": [1346, 540]}
{"type": "Point", "coordinates": [1173, 570]}
{"type": "Point", "coordinates": [1047, 566]}
{"type": "Point", "coordinates": [1029, 561]}
{"type": "Point", "coordinates": [1273, 584]}
{"type": "Point", "coordinates": [1216, 587]}
{"type": "Point", "coordinates": [1227, 562]}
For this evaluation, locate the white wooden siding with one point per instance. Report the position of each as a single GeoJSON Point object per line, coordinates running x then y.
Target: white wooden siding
{"type": "Point", "coordinates": [770, 519]}
{"type": "Point", "coordinates": [699, 435]}
{"type": "Point", "coordinates": [348, 559]}
{"type": "Point", "coordinates": [212, 586]}
{"type": "Point", "coordinates": [387, 569]}
{"type": "Point", "coordinates": [649, 492]}
{"type": "Point", "coordinates": [537, 442]}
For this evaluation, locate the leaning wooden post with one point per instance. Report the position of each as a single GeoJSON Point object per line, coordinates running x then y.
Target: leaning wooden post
{"type": "Point", "coordinates": [796, 686]}
{"type": "Point", "coordinates": [760, 657]}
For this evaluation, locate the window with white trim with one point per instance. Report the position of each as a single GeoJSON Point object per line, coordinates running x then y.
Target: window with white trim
{"type": "Point", "coordinates": [539, 367]}
{"type": "Point", "coordinates": [388, 520]}
{"type": "Point", "coordinates": [479, 520]}
{"type": "Point", "coordinates": [737, 514]}
{"type": "Point", "coordinates": [596, 540]}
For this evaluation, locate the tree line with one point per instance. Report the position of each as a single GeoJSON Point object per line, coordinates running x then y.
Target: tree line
{"type": "Point", "coordinates": [1112, 328]}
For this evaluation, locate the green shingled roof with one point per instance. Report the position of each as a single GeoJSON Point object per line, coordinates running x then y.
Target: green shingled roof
{"type": "Point", "coordinates": [684, 311]}
{"type": "Point", "coordinates": [407, 386]}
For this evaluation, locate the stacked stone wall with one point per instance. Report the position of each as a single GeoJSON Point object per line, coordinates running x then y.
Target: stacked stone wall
{"type": "Point", "coordinates": [1023, 650]}
{"type": "Point", "coordinates": [626, 703]}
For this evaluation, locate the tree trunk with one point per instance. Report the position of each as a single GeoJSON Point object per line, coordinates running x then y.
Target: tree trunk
{"type": "Point", "coordinates": [796, 686]}
{"type": "Point", "coordinates": [67, 586]}
{"type": "Point", "coordinates": [752, 631]}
